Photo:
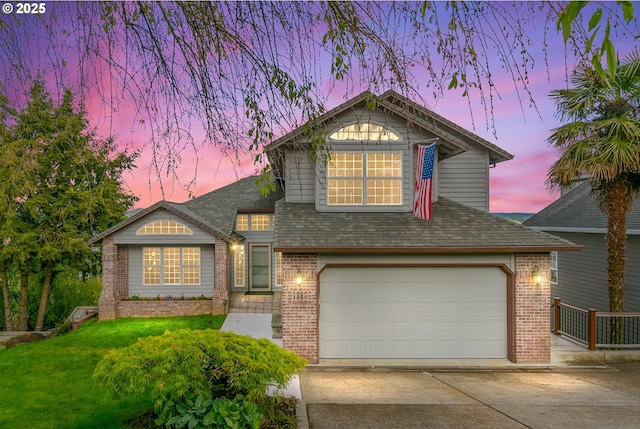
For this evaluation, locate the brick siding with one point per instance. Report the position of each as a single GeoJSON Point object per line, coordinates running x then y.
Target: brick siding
{"type": "Point", "coordinates": [115, 286]}
{"type": "Point", "coordinates": [222, 277]}
{"type": "Point", "coordinates": [300, 308]}
{"type": "Point", "coordinates": [163, 308]}
{"type": "Point", "coordinates": [532, 312]}
{"type": "Point", "coordinates": [115, 278]}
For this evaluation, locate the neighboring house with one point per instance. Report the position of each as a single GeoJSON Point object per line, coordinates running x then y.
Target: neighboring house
{"type": "Point", "coordinates": [580, 279]}
{"type": "Point", "coordinates": [361, 277]}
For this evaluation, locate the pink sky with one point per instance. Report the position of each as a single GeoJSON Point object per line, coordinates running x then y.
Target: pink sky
{"type": "Point", "coordinates": [516, 186]}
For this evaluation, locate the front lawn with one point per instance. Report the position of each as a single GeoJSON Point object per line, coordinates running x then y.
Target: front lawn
{"type": "Point", "coordinates": [49, 384]}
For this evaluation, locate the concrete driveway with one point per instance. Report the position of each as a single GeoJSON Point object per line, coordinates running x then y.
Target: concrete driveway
{"type": "Point", "coordinates": [567, 398]}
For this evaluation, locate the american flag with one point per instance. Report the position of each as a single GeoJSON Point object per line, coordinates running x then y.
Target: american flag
{"type": "Point", "coordinates": [424, 173]}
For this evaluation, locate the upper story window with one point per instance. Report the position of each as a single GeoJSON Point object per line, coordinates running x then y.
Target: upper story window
{"type": "Point", "coordinates": [254, 222]}
{"type": "Point", "coordinates": [164, 227]}
{"type": "Point", "coordinates": [370, 178]}
{"type": "Point", "coordinates": [365, 131]}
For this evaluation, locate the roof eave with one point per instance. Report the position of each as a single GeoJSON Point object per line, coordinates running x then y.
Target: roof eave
{"type": "Point", "coordinates": [431, 250]}
{"type": "Point", "coordinates": [553, 229]}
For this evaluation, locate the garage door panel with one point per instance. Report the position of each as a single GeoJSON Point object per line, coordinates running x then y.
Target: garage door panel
{"type": "Point", "coordinates": [421, 312]}
{"type": "Point", "coordinates": [400, 309]}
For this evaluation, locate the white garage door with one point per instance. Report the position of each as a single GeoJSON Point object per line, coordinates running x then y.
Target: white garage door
{"type": "Point", "coordinates": [413, 312]}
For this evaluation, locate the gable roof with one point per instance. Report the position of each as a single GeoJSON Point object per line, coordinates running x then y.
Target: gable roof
{"type": "Point", "coordinates": [452, 137]}
{"type": "Point", "coordinates": [578, 211]}
{"type": "Point", "coordinates": [175, 208]}
{"type": "Point", "coordinates": [214, 212]}
{"type": "Point", "coordinates": [454, 228]}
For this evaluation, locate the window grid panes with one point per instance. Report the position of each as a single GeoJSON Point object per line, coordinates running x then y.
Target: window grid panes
{"type": "Point", "coordinates": [164, 227]}
{"type": "Point", "coordinates": [260, 222]}
{"type": "Point", "coordinates": [242, 222]}
{"type": "Point", "coordinates": [345, 165]}
{"type": "Point", "coordinates": [365, 131]}
{"type": "Point", "coordinates": [191, 266]}
{"type": "Point", "coordinates": [381, 183]}
{"type": "Point", "coordinates": [384, 165]}
{"type": "Point", "coordinates": [151, 265]}
{"type": "Point", "coordinates": [344, 192]}
{"type": "Point", "coordinates": [171, 266]}
{"type": "Point", "coordinates": [239, 265]}
{"type": "Point", "coordinates": [254, 222]}
{"type": "Point", "coordinates": [384, 192]}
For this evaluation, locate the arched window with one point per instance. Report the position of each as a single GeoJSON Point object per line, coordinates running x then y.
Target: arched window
{"type": "Point", "coordinates": [164, 227]}
{"type": "Point", "coordinates": [364, 131]}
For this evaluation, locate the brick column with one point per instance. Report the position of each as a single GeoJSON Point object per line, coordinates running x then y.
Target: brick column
{"type": "Point", "coordinates": [300, 309]}
{"type": "Point", "coordinates": [532, 312]}
{"type": "Point", "coordinates": [221, 276]}
{"type": "Point", "coordinates": [107, 303]}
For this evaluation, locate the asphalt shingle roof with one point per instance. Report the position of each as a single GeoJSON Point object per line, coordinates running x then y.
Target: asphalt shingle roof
{"type": "Point", "coordinates": [578, 209]}
{"type": "Point", "coordinates": [453, 228]}
{"type": "Point", "coordinates": [214, 211]}
{"type": "Point", "coordinates": [219, 207]}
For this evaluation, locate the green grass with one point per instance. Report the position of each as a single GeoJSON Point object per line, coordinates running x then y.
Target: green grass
{"type": "Point", "coordinates": [49, 384]}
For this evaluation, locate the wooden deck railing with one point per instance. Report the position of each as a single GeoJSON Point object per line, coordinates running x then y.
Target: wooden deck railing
{"type": "Point", "coordinates": [597, 329]}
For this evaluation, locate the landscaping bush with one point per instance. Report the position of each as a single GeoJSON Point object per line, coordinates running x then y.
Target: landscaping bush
{"type": "Point", "coordinates": [176, 368]}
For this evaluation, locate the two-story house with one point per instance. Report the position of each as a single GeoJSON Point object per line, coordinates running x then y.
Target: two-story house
{"type": "Point", "coordinates": [361, 277]}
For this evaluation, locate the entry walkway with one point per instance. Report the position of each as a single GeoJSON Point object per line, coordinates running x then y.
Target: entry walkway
{"type": "Point", "coordinates": [258, 325]}
{"type": "Point", "coordinates": [242, 302]}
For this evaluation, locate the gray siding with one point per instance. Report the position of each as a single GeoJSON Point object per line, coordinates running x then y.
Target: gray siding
{"type": "Point", "coordinates": [582, 276]}
{"type": "Point", "coordinates": [127, 235]}
{"type": "Point", "coordinates": [300, 180]}
{"type": "Point", "coordinates": [465, 178]}
{"type": "Point", "coordinates": [152, 291]}
{"type": "Point", "coordinates": [406, 146]}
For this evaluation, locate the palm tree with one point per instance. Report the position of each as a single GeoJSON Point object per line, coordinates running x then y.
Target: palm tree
{"type": "Point", "coordinates": [600, 141]}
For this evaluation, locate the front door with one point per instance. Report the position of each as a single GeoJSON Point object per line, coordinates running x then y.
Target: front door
{"type": "Point", "coordinates": [259, 267]}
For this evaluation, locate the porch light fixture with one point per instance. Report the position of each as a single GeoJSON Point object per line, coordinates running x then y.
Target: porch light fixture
{"type": "Point", "coordinates": [298, 277]}
{"type": "Point", "coordinates": [536, 276]}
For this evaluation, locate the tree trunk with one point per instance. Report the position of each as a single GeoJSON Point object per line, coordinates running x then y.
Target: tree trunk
{"type": "Point", "coordinates": [44, 296]}
{"type": "Point", "coordinates": [617, 200]}
{"type": "Point", "coordinates": [23, 311]}
{"type": "Point", "coordinates": [8, 317]}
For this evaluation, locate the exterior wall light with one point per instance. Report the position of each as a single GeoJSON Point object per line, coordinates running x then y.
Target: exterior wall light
{"type": "Point", "coordinates": [536, 276]}
{"type": "Point", "coordinates": [298, 277]}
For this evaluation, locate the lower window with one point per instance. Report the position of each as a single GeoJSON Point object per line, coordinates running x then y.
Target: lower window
{"type": "Point", "coordinates": [171, 265]}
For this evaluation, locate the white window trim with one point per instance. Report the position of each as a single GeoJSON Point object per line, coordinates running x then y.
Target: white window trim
{"type": "Point", "coordinates": [249, 226]}
{"type": "Point", "coordinates": [181, 266]}
{"type": "Point", "coordinates": [175, 224]}
{"type": "Point", "coordinates": [553, 256]}
{"type": "Point", "coordinates": [364, 178]}
{"type": "Point", "coordinates": [390, 130]}
{"type": "Point", "coordinates": [237, 249]}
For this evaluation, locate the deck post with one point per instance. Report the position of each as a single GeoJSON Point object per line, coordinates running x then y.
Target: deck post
{"type": "Point", "coordinates": [592, 329]}
{"type": "Point", "coordinates": [556, 319]}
